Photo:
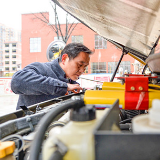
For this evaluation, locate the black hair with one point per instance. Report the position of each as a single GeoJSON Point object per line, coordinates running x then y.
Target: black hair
{"type": "Point", "coordinates": [73, 49]}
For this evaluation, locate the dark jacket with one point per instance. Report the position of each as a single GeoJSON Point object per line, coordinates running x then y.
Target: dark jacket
{"type": "Point", "coordinates": [39, 82]}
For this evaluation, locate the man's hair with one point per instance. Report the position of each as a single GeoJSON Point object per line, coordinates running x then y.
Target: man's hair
{"type": "Point", "coordinates": [73, 49]}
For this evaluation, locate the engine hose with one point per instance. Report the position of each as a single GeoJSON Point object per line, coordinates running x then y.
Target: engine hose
{"type": "Point", "coordinates": [45, 122]}
{"type": "Point", "coordinates": [126, 121]}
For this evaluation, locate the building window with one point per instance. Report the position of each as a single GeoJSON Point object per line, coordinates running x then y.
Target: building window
{"type": "Point", "coordinates": [13, 56]}
{"type": "Point", "coordinates": [56, 38]}
{"type": "Point", "coordinates": [13, 68]}
{"type": "Point", "coordinates": [77, 39]}
{"type": "Point", "coordinates": [6, 51]}
{"type": "Point", "coordinates": [13, 44]}
{"type": "Point", "coordinates": [86, 71]}
{"type": "Point", "coordinates": [98, 67]}
{"type": "Point", "coordinates": [112, 66]}
{"type": "Point", "coordinates": [6, 62]}
{"type": "Point", "coordinates": [6, 68]}
{"type": "Point", "coordinates": [35, 44]}
{"type": "Point", "coordinates": [7, 45]}
{"type": "Point", "coordinates": [124, 64]}
{"type": "Point", "coordinates": [100, 42]}
{"type": "Point", "coordinates": [14, 50]}
{"type": "Point", "coordinates": [13, 62]}
{"type": "Point", "coordinates": [6, 56]}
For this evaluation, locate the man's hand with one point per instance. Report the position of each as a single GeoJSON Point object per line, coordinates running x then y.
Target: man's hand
{"type": "Point", "coordinates": [72, 87]}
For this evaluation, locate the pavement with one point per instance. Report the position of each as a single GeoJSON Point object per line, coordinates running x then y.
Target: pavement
{"type": "Point", "coordinates": [8, 103]}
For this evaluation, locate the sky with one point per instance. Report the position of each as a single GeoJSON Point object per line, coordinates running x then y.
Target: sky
{"type": "Point", "coordinates": [11, 10]}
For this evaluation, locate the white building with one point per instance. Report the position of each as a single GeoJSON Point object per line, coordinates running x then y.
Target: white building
{"type": "Point", "coordinates": [11, 57]}
{"type": "Point", "coordinates": [8, 36]}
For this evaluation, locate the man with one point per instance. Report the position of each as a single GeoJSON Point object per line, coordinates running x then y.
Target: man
{"type": "Point", "coordinates": [39, 82]}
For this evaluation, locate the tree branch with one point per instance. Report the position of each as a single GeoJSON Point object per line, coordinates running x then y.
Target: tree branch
{"type": "Point", "coordinates": [69, 34]}
{"type": "Point", "coordinates": [60, 28]}
{"type": "Point", "coordinates": [66, 27]}
{"type": "Point", "coordinates": [45, 20]}
{"type": "Point", "coordinates": [57, 27]}
{"type": "Point", "coordinates": [55, 13]}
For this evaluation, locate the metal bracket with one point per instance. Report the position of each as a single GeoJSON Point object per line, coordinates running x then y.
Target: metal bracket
{"type": "Point", "coordinates": [29, 120]}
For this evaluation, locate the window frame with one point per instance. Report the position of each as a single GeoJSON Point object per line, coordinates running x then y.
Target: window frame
{"type": "Point", "coordinates": [77, 39]}
{"type": "Point", "coordinates": [7, 69]}
{"type": "Point", "coordinates": [6, 56]}
{"type": "Point", "coordinates": [6, 50]}
{"type": "Point", "coordinates": [14, 44]}
{"type": "Point", "coordinates": [56, 38]}
{"type": "Point", "coordinates": [14, 56]}
{"type": "Point", "coordinates": [14, 50]}
{"type": "Point", "coordinates": [14, 69]}
{"type": "Point", "coordinates": [123, 65]}
{"type": "Point", "coordinates": [98, 67]}
{"type": "Point", "coordinates": [100, 42]}
{"type": "Point", "coordinates": [6, 45]}
{"type": "Point", "coordinates": [6, 62]}
{"type": "Point", "coordinates": [35, 44]}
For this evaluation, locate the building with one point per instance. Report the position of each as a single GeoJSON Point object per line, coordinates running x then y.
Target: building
{"type": "Point", "coordinates": [12, 34]}
{"type": "Point", "coordinates": [11, 57]}
{"type": "Point", "coordinates": [9, 36]}
{"type": "Point", "coordinates": [37, 35]}
{"type": "Point", "coordinates": [2, 34]}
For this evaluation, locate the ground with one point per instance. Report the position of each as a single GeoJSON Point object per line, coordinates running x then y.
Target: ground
{"type": "Point", "coordinates": [8, 103]}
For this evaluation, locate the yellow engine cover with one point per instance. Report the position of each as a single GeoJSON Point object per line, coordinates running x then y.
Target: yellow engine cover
{"type": "Point", "coordinates": [112, 91]}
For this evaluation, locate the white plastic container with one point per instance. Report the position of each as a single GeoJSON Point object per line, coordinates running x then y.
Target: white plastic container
{"type": "Point", "coordinates": [148, 123]}
{"type": "Point", "coordinates": [77, 136]}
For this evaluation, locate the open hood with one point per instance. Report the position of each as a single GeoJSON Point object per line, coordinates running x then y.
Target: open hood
{"type": "Point", "coordinates": [134, 24]}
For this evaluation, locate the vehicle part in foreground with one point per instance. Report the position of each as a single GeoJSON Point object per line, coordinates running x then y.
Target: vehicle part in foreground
{"type": "Point", "coordinates": [34, 108]}
{"type": "Point", "coordinates": [148, 122]}
{"type": "Point", "coordinates": [90, 135]}
{"type": "Point", "coordinates": [80, 129]}
{"type": "Point", "coordinates": [123, 145]}
{"type": "Point", "coordinates": [135, 93]}
{"type": "Point", "coordinates": [6, 149]}
{"type": "Point", "coordinates": [46, 121]}
{"type": "Point", "coordinates": [11, 147]}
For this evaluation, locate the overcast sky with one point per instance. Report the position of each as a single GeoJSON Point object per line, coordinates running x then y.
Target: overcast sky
{"type": "Point", "coordinates": [11, 10]}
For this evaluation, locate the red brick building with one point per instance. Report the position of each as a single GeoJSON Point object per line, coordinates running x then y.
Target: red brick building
{"type": "Point", "coordinates": [36, 36]}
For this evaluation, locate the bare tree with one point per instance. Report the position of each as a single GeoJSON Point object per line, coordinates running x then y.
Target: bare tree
{"type": "Point", "coordinates": [57, 26]}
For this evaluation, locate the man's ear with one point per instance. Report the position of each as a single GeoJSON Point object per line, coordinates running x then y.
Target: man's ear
{"type": "Point", "coordinates": [64, 58]}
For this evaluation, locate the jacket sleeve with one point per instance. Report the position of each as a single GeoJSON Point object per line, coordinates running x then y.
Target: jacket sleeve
{"type": "Point", "coordinates": [30, 81]}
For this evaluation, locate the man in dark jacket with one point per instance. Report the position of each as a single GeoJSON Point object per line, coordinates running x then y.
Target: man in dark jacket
{"type": "Point", "coordinates": [39, 82]}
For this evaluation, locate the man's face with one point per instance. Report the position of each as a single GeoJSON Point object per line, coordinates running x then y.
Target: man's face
{"type": "Point", "coordinates": [75, 67]}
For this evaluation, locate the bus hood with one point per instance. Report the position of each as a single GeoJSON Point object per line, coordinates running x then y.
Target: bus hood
{"type": "Point", "coordinates": [134, 24]}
